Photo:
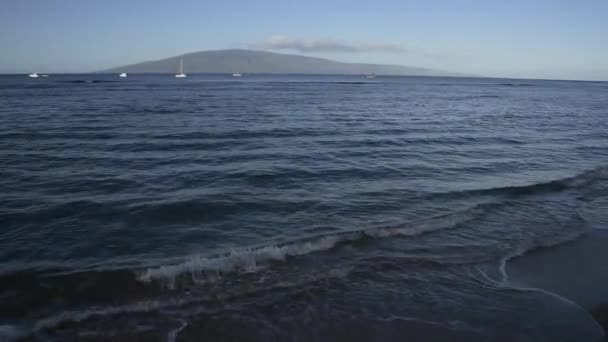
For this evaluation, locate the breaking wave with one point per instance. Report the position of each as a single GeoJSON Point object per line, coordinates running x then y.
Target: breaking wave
{"type": "Point", "coordinates": [255, 258]}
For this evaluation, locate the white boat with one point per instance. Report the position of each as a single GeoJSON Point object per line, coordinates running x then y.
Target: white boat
{"type": "Point", "coordinates": [181, 69]}
{"type": "Point", "coordinates": [44, 75]}
{"type": "Point", "coordinates": [124, 74]}
{"type": "Point", "coordinates": [237, 74]}
{"type": "Point", "coordinates": [370, 76]}
{"type": "Point", "coordinates": [33, 75]}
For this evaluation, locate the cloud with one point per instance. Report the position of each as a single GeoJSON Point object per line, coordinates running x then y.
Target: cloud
{"type": "Point", "coordinates": [327, 45]}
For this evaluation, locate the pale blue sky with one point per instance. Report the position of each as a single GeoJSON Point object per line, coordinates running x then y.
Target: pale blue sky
{"type": "Point", "coordinates": [518, 38]}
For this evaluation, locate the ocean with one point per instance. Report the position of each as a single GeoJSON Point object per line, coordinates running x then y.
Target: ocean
{"type": "Point", "coordinates": [293, 208]}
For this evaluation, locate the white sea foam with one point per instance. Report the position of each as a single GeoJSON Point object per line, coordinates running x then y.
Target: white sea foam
{"type": "Point", "coordinates": [243, 260]}
{"type": "Point", "coordinates": [172, 335]}
{"type": "Point", "coordinates": [255, 258]}
{"type": "Point", "coordinates": [526, 248]}
{"type": "Point", "coordinates": [82, 315]}
{"type": "Point", "coordinates": [145, 306]}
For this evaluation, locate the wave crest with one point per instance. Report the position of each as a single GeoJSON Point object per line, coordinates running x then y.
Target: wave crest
{"type": "Point", "coordinates": [256, 258]}
{"type": "Point", "coordinates": [581, 180]}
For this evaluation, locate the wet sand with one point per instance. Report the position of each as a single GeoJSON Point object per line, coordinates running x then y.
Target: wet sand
{"type": "Point", "coordinates": [577, 270]}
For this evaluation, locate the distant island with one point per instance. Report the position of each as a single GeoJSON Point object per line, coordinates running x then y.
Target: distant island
{"type": "Point", "coordinates": [263, 62]}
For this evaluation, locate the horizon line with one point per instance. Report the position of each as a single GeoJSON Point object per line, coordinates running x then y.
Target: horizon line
{"type": "Point", "coordinates": [5, 74]}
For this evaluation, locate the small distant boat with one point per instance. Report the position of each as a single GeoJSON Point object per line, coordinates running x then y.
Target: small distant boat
{"type": "Point", "coordinates": [370, 76]}
{"type": "Point", "coordinates": [124, 74]}
{"type": "Point", "coordinates": [237, 74]}
{"type": "Point", "coordinates": [44, 75]}
{"type": "Point", "coordinates": [33, 75]}
{"type": "Point", "coordinates": [181, 69]}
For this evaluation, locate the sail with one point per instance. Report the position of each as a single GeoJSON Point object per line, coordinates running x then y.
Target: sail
{"type": "Point", "coordinates": [181, 69]}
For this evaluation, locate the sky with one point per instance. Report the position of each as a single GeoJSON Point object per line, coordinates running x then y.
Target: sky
{"type": "Point", "coordinates": [555, 39]}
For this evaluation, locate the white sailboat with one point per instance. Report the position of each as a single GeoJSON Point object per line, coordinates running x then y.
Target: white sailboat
{"type": "Point", "coordinates": [181, 69]}
{"type": "Point", "coordinates": [33, 75]}
{"type": "Point", "coordinates": [123, 75]}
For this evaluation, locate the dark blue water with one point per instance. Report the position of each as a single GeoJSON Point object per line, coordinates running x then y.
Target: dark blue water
{"type": "Point", "coordinates": [292, 208]}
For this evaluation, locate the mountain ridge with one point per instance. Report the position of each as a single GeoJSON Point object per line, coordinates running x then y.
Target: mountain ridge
{"type": "Point", "coordinates": [257, 61]}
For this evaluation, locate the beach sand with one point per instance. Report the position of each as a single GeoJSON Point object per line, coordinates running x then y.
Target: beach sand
{"type": "Point", "coordinates": [577, 270]}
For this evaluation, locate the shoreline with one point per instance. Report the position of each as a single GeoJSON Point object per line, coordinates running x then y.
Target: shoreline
{"type": "Point", "coordinates": [576, 270]}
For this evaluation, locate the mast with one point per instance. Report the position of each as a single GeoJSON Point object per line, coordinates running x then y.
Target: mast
{"type": "Point", "coordinates": [181, 66]}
